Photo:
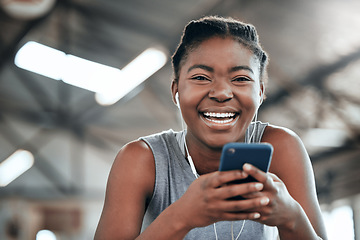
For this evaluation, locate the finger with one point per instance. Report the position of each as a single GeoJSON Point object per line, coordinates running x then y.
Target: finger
{"type": "Point", "coordinates": [245, 205]}
{"type": "Point", "coordinates": [225, 177]}
{"type": "Point", "coordinates": [234, 216]}
{"type": "Point", "coordinates": [253, 195]}
{"type": "Point", "coordinates": [269, 180]}
{"type": "Point", "coordinates": [255, 172]}
{"type": "Point", "coordinates": [274, 177]}
{"type": "Point", "coordinates": [234, 190]}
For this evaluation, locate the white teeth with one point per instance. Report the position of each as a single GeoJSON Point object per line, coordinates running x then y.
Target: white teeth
{"type": "Point", "coordinates": [219, 115]}
{"type": "Point", "coordinates": [221, 121]}
{"type": "Point", "coordinates": [220, 118]}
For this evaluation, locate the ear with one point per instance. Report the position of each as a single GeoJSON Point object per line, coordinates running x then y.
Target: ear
{"type": "Point", "coordinates": [174, 90]}
{"type": "Point", "coordinates": [262, 93]}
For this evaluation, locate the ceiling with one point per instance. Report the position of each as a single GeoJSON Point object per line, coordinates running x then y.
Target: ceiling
{"type": "Point", "coordinates": [314, 84]}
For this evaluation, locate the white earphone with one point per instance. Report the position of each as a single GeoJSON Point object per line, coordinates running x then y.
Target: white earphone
{"type": "Point", "coordinates": [262, 90]}
{"type": "Point", "coordinates": [177, 100]}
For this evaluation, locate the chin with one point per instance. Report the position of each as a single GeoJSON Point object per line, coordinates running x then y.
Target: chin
{"type": "Point", "coordinates": [219, 140]}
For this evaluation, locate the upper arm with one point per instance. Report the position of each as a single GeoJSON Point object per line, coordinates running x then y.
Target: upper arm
{"type": "Point", "coordinates": [291, 163]}
{"type": "Point", "coordinates": [130, 186]}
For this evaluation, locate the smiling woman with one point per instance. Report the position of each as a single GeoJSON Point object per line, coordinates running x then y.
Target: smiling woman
{"type": "Point", "coordinates": [219, 77]}
{"type": "Point", "coordinates": [167, 185]}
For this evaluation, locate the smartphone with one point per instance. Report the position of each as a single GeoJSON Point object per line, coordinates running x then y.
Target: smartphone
{"type": "Point", "coordinates": [235, 155]}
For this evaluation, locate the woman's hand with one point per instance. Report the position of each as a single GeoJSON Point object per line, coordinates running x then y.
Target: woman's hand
{"type": "Point", "coordinates": [206, 200]}
{"type": "Point", "coordinates": [281, 209]}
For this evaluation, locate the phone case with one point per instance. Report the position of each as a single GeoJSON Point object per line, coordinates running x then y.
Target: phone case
{"type": "Point", "coordinates": [235, 155]}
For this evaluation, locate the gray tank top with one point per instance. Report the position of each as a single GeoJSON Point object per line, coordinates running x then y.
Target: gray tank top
{"type": "Point", "coordinates": [173, 177]}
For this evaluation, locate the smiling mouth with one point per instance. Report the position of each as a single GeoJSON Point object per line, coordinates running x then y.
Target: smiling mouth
{"type": "Point", "coordinates": [220, 118]}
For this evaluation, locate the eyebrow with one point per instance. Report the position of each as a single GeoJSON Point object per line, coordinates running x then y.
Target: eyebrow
{"type": "Point", "coordinates": [201, 66]}
{"type": "Point", "coordinates": [237, 68]}
{"type": "Point", "coordinates": [210, 69]}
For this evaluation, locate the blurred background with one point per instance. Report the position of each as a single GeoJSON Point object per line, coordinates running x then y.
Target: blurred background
{"type": "Point", "coordinates": [63, 135]}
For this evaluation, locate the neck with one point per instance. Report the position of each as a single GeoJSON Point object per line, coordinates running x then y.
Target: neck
{"type": "Point", "coordinates": [205, 159]}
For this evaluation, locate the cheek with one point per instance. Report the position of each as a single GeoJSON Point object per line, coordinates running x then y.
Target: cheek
{"type": "Point", "coordinates": [189, 103]}
{"type": "Point", "coordinates": [256, 95]}
{"type": "Point", "coordinates": [187, 99]}
{"type": "Point", "coordinates": [191, 95]}
{"type": "Point", "coordinates": [249, 99]}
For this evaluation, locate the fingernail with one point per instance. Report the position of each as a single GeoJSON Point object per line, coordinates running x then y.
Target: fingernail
{"type": "Point", "coordinates": [247, 166]}
{"type": "Point", "coordinates": [264, 201]}
{"type": "Point", "coordinates": [259, 186]}
{"type": "Point", "coordinates": [244, 174]}
{"type": "Point", "coordinates": [256, 215]}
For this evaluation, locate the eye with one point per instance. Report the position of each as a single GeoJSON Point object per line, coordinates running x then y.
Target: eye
{"type": "Point", "coordinates": [200, 78]}
{"type": "Point", "coordinates": [241, 79]}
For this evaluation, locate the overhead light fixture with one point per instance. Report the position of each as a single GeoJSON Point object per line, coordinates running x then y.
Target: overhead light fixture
{"type": "Point", "coordinates": [133, 74]}
{"type": "Point", "coordinates": [27, 9]}
{"type": "Point", "coordinates": [45, 235]}
{"type": "Point", "coordinates": [41, 59]}
{"type": "Point", "coordinates": [15, 165]}
{"type": "Point", "coordinates": [89, 75]}
{"type": "Point", "coordinates": [110, 84]}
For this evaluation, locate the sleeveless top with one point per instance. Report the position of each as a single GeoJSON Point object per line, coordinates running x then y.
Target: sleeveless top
{"type": "Point", "coordinates": [173, 177]}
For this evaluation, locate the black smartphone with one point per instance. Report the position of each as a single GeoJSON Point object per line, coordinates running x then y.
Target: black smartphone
{"type": "Point", "coordinates": [235, 155]}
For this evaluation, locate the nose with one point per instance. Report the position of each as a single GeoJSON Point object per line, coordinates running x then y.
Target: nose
{"type": "Point", "coordinates": [221, 91]}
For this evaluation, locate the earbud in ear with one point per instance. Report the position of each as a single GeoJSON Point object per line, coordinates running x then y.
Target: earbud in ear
{"type": "Point", "coordinates": [177, 99]}
{"type": "Point", "coordinates": [261, 97]}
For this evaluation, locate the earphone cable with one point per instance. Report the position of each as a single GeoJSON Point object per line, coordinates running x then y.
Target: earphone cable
{"type": "Point", "coordinates": [252, 137]}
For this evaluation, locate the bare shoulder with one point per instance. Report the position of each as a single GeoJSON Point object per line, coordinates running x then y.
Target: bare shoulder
{"type": "Point", "coordinates": [289, 155]}
{"type": "Point", "coordinates": [129, 189]}
{"type": "Point", "coordinates": [135, 152]}
{"type": "Point", "coordinates": [135, 162]}
{"type": "Point", "coordinates": [283, 140]}
{"type": "Point", "coordinates": [138, 147]}
{"type": "Point", "coordinates": [279, 135]}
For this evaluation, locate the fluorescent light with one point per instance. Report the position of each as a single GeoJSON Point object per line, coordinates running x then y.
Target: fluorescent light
{"type": "Point", "coordinates": [41, 59]}
{"type": "Point", "coordinates": [133, 74]}
{"type": "Point", "coordinates": [110, 84]}
{"type": "Point", "coordinates": [45, 235]}
{"type": "Point", "coordinates": [27, 10]}
{"type": "Point", "coordinates": [89, 75]}
{"type": "Point", "coordinates": [14, 166]}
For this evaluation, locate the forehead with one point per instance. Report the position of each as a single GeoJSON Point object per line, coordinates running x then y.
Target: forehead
{"type": "Point", "coordinates": [222, 53]}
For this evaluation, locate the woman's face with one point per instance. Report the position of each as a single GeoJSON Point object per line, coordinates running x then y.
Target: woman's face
{"type": "Point", "coordinates": [219, 91]}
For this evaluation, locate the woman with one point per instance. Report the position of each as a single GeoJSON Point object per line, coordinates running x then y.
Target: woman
{"type": "Point", "coordinates": [167, 186]}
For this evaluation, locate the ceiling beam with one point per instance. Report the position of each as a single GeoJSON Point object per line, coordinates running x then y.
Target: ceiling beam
{"type": "Point", "coordinates": [36, 90]}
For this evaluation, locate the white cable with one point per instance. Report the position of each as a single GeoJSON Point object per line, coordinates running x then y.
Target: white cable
{"type": "Point", "coordinates": [216, 237]}
{"type": "Point", "coordinates": [252, 137]}
{"type": "Point", "coordinates": [192, 166]}
{"type": "Point", "coordinates": [232, 230]}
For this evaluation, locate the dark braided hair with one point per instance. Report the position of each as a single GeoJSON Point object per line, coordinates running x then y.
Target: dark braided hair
{"type": "Point", "coordinates": [197, 31]}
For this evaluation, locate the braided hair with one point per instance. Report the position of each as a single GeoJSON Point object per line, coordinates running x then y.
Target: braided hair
{"type": "Point", "coordinates": [197, 31]}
